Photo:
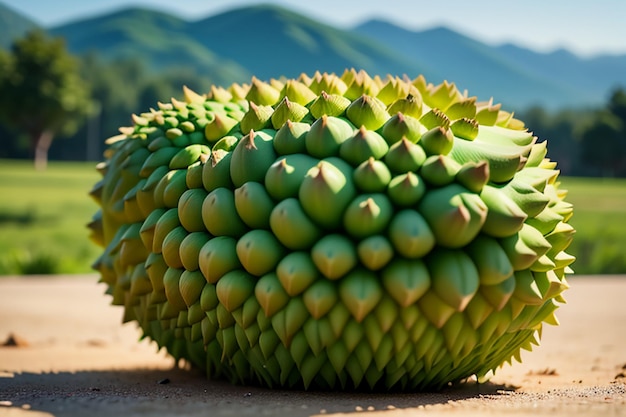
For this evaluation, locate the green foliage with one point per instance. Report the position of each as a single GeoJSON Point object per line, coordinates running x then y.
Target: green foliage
{"type": "Point", "coordinates": [599, 212]}
{"type": "Point", "coordinates": [43, 216]}
{"type": "Point", "coordinates": [617, 104]}
{"type": "Point", "coordinates": [584, 142]}
{"type": "Point", "coordinates": [562, 131]}
{"type": "Point", "coordinates": [119, 88]}
{"type": "Point", "coordinates": [41, 88]}
{"type": "Point", "coordinates": [41, 93]}
{"type": "Point", "coordinates": [24, 262]}
{"type": "Point", "coordinates": [603, 143]}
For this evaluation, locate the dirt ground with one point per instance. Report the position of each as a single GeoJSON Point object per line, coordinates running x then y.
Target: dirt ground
{"type": "Point", "coordinates": [70, 356]}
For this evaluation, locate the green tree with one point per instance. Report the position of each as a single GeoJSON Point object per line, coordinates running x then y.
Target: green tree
{"type": "Point", "coordinates": [617, 104]}
{"type": "Point", "coordinates": [41, 92]}
{"type": "Point", "coordinates": [603, 143]}
{"type": "Point", "coordinates": [115, 86]}
{"type": "Point", "coordinates": [561, 131]}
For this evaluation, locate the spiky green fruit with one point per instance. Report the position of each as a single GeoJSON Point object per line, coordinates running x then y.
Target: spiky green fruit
{"type": "Point", "coordinates": [334, 232]}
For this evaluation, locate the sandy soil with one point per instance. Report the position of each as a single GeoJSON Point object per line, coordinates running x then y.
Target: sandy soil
{"type": "Point", "coordinates": [74, 358]}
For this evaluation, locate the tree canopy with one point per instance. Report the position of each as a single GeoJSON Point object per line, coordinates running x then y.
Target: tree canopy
{"type": "Point", "coordinates": [41, 92]}
{"type": "Point", "coordinates": [603, 144]}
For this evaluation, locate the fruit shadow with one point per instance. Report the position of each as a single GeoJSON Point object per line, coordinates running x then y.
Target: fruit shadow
{"type": "Point", "coordinates": [187, 392]}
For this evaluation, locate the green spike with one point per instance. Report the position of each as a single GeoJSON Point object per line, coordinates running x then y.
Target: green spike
{"type": "Point", "coordinates": [259, 251]}
{"type": "Point", "coordinates": [406, 280]}
{"type": "Point", "coordinates": [270, 294]}
{"type": "Point", "coordinates": [288, 110]}
{"type": "Point", "coordinates": [401, 126]}
{"type": "Point", "coordinates": [410, 234]}
{"type": "Point", "coordinates": [363, 145]}
{"type": "Point", "coordinates": [257, 117]}
{"type": "Point", "coordinates": [334, 255]}
{"type": "Point", "coordinates": [319, 298]}
{"type": "Point", "coordinates": [284, 177]}
{"type": "Point", "coordinates": [372, 176]}
{"type": "Point", "coordinates": [367, 111]}
{"type": "Point", "coordinates": [234, 288]}
{"type": "Point", "coordinates": [254, 204]}
{"type": "Point", "coordinates": [405, 156]}
{"type": "Point", "coordinates": [326, 135]}
{"type": "Point", "coordinates": [325, 192]}
{"type": "Point", "coordinates": [328, 104]}
{"type": "Point", "coordinates": [290, 138]}
{"type": "Point", "coordinates": [217, 257]}
{"type": "Point", "coordinates": [296, 272]}
{"type": "Point", "coordinates": [360, 292]}
{"type": "Point", "coordinates": [251, 158]}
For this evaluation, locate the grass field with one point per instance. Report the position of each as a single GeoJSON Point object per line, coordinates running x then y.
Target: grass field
{"type": "Point", "coordinates": [43, 217]}
{"type": "Point", "coordinates": [600, 222]}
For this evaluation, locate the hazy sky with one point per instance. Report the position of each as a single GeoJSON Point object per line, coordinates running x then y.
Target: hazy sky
{"type": "Point", "coordinates": [583, 26]}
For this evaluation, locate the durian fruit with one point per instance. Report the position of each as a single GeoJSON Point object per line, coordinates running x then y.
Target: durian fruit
{"type": "Point", "coordinates": [334, 232]}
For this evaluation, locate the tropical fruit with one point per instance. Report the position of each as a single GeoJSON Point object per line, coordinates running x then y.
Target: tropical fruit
{"type": "Point", "coordinates": [334, 232]}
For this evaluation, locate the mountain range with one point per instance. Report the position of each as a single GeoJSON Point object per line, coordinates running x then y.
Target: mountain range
{"type": "Point", "coordinates": [12, 25]}
{"type": "Point", "coordinates": [270, 41]}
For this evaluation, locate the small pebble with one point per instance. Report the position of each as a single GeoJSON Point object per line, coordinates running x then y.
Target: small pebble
{"type": "Point", "coordinates": [164, 381]}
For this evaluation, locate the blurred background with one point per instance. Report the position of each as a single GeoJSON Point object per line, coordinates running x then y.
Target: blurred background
{"type": "Point", "coordinates": [71, 75]}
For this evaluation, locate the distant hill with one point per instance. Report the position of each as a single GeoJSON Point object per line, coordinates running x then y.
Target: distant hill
{"type": "Point", "coordinates": [13, 25]}
{"type": "Point", "coordinates": [595, 75]}
{"type": "Point", "coordinates": [267, 41]}
{"type": "Point", "coordinates": [270, 41]}
{"type": "Point", "coordinates": [481, 69]}
{"type": "Point", "coordinates": [158, 39]}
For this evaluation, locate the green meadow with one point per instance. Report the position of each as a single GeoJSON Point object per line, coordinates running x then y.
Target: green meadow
{"type": "Point", "coordinates": [600, 222]}
{"type": "Point", "coordinates": [43, 217]}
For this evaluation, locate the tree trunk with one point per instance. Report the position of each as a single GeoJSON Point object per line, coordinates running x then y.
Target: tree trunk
{"type": "Point", "coordinates": [42, 143]}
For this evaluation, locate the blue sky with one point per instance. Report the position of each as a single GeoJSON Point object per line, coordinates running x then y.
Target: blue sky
{"type": "Point", "coordinates": [584, 27]}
